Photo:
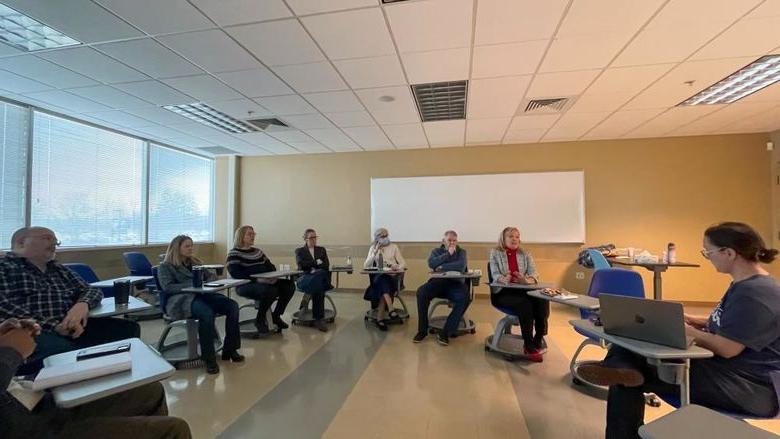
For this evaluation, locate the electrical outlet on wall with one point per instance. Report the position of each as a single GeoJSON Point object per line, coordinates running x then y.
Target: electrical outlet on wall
{"type": "Point", "coordinates": [579, 275]}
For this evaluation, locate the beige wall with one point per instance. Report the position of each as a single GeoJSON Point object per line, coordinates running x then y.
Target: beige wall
{"type": "Point", "coordinates": [641, 193]}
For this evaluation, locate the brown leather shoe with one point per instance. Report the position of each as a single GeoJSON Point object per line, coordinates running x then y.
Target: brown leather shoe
{"type": "Point", "coordinates": [601, 375]}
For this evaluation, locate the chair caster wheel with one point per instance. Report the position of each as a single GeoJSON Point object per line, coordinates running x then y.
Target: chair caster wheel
{"type": "Point", "coordinates": [487, 349]}
{"type": "Point", "coordinates": [576, 381]}
{"type": "Point", "coordinates": [509, 358]}
{"type": "Point", "coordinates": [473, 331]}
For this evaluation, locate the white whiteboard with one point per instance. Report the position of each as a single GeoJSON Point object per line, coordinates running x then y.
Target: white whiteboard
{"type": "Point", "coordinates": [548, 207]}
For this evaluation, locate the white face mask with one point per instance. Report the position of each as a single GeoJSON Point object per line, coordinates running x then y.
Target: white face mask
{"type": "Point", "coordinates": [383, 241]}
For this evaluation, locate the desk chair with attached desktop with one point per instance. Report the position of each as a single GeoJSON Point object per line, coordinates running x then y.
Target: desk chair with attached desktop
{"type": "Point", "coordinates": [88, 275]}
{"type": "Point", "coordinates": [502, 340]}
{"type": "Point", "coordinates": [403, 312]}
{"type": "Point", "coordinates": [182, 352]}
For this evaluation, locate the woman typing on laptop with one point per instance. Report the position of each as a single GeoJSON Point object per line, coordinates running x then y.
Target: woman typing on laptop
{"type": "Point", "coordinates": [743, 332]}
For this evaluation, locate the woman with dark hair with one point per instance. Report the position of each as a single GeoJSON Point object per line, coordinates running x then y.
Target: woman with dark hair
{"type": "Point", "coordinates": [743, 332]}
{"type": "Point", "coordinates": [175, 274]}
{"type": "Point", "coordinates": [315, 281]}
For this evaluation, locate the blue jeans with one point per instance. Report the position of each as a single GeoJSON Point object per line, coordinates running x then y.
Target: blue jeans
{"type": "Point", "coordinates": [453, 290]}
{"type": "Point", "coordinates": [99, 330]}
{"type": "Point", "coordinates": [205, 308]}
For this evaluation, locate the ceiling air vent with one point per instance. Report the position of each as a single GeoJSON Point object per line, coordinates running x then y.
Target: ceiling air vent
{"type": "Point", "coordinates": [547, 105]}
{"type": "Point", "coordinates": [265, 124]}
{"type": "Point", "coordinates": [218, 150]}
{"type": "Point", "coordinates": [441, 100]}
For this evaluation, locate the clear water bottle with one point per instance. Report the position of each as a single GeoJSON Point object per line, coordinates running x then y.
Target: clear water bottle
{"type": "Point", "coordinates": [671, 253]}
{"type": "Point", "coordinates": [349, 261]}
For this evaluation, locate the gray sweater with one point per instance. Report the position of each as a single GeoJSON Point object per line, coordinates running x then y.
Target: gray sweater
{"type": "Point", "coordinates": [172, 280]}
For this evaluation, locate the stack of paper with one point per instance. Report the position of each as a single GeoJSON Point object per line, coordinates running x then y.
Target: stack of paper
{"type": "Point", "coordinates": [81, 370]}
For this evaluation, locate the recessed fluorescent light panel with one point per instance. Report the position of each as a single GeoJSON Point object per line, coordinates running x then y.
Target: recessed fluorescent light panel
{"type": "Point", "coordinates": [29, 34]}
{"type": "Point", "coordinates": [206, 115]}
{"type": "Point", "coordinates": [763, 72]}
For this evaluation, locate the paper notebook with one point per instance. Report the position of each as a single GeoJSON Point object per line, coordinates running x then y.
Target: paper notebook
{"type": "Point", "coordinates": [81, 370]}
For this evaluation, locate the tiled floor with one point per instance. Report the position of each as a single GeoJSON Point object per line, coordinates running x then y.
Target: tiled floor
{"type": "Point", "coordinates": [356, 382]}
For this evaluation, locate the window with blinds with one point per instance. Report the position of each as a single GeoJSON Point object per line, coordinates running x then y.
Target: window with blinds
{"type": "Point", "coordinates": [87, 183]}
{"type": "Point", "coordinates": [14, 132]}
{"type": "Point", "coordinates": [180, 195]}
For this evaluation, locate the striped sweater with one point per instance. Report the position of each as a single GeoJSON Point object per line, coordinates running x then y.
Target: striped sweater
{"type": "Point", "coordinates": [243, 263]}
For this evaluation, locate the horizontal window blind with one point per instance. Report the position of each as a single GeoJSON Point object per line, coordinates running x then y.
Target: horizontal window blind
{"type": "Point", "coordinates": [14, 132]}
{"type": "Point", "coordinates": [87, 183]}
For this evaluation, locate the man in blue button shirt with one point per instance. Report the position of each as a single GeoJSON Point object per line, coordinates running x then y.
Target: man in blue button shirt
{"type": "Point", "coordinates": [447, 257]}
{"type": "Point", "coordinates": [34, 286]}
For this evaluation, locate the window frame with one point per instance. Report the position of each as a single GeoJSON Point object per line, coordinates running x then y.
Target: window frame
{"type": "Point", "coordinates": [147, 145]}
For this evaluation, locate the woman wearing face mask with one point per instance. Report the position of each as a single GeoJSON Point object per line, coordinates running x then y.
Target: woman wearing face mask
{"type": "Point", "coordinates": [383, 287]}
{"type": "Point", "coordinates": [511, 264]}
{"type": "Point", "coordinates": [174, 274]}
{"type": "Point", "coordinates": [742, 331]}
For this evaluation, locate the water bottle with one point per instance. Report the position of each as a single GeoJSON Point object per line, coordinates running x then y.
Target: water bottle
{"type": "Point", "coordinates": [197, 276]}
{"type": "Point", "coordinates": [380, 261]}
{"type": "Point", "coordinates": [671, 253]}
{"type": "Point", "coordinates": [349, 261]}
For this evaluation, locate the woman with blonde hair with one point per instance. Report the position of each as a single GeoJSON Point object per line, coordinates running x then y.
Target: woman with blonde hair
{"type": "Point", "coordinates": [175, 274]}
{"type": "Point", "coordinates": [244, 260]}
{"type": "Point", "coordinates": [511, 264]}
{"type": "Point", "coordinates": [383, 287]}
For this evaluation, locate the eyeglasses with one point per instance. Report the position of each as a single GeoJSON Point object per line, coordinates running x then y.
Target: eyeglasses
{"type": "Point", "coordinates": [707, 253]}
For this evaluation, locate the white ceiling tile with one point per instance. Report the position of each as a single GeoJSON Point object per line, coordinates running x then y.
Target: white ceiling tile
{"type": "Point", "coordinates": [671, 119]}
{"type": "Point", "coordinates": [574, 125]}
{"type": "Point", "coordinates": [351, 119]}
{"type": "Point", "coordinates": [229, 12]}
{"type": "Point", "coordinates": [255, 83]}
{"type": "Point", "coordinates": [583, 52]}
{"type": "Point", "coordinates": [268, 143]}
{"type": "Point", "coordinates": [43, 71]}
{"type": "Point", "coordinates": [288, 136]}
{"type": "Point", "coordinates": [305, 78]}
{"type": "Point", "coordinates": [747, 37]}
{"type": "Point", "coordinates": [593, 103]}
{"type": "Point", "coordinates": [19, 84]}
{"type": "Point", "coordinates": [6, 50]}
{"type": "Point", "coordinates": [334, 139]}
{"type": "Point", "coordinates": [155, 92]}
{"type": "Point", "coordinates": [381, 71]}
{"type": "Point", "coordinates": [303, 7]}
{"type": "Point", "coordinates": [431, 25]}
{"type": "Point", "coordinates": [334, 101]}
{"type": "Point", "coordinates": [278, 42]}
{"type": "Point", "coordinates": [159, 115]}
{"type": "Point", "coordinates": [527, 135]}
{"type": "Point", "coordinates": [672, 88]}
{"type": "Point", "coordinates": [94, 64]}
{"type": "Point", "coordinates": [561, 83]}
{"type": "Point", "coordinates": [683, 12]}
{"type": "Point", "coordinates": [628, 79]}
{"type": "Point", "coordinates": [285, 105]}
{"type": "Point", "coordinates": [203, 87]}
{"type": "Point", "coordinates": [486, 130]}
{"type": "Point", "coordinates": [200, 130]}
{"type": "Point", "coordinates": [91, 24]}
{"type": "Point", "coordinates": [351, 34]}
{"type": "Point", "coordinates": [624, 18]}
{"type": "Point", "coordinates": [212, 50]}
{"type": "Point", "coordinates": [73, 103]}
{"type": "Point", "coordinates": [767, 9]}
{"type": "Point", "coordinates": [621, 122]}
{"type": "Point", "coordinates": [121, 118]}
{"type": "Point", "coordinates": [240, 108]}
{"type": "Point", "coordinates": [437, 65]}
{"type": "Point", "coordinates": [718, 119]}
{"type": "Point", "coordinates": [399, 111]}
{"type": "Point", "coordinates": [536, 121]}
{"type": "Point", "coordinates": [308, 121]}
{"type": "Point", "coordinates": [159, 132]}
{"type": "Point", "coordinates": [505, 21]}
{"type": "Point", "coordinates": [370, 138]}
{"type": "Point", "coordinates": [149, 57]}
{"type": "Point", "coordinates": [110, 97]}
{"type": "Point", "coordinates": [507, 59]}
{"type": "Point", "coordinates": [310, 147]}
{"type": "Point", "coordinates": [496, 97]}
{"type": "Point", "coordinates": [445, 133]}
{"type": "Point", "coordinates": [406, 136]}
{"type": "Point", "coordinates": [157, 17]}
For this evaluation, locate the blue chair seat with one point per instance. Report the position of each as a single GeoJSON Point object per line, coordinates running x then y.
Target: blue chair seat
{"type": "Point", "coordinates": [86, 273]}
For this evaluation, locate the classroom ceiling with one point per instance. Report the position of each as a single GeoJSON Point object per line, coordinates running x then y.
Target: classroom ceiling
{"type": "Point", "coordinates": [338, 71]}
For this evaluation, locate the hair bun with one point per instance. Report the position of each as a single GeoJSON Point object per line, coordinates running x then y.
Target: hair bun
{"type": "Point", "coordinates": [766, 255]}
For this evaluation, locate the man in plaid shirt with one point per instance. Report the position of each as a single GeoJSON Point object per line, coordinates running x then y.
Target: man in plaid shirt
{"type": "Point", "coordinates": [34, 286]}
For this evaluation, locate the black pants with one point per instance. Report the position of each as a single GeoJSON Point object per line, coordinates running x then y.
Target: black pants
{"type": "Point", "coordinates": [532, 312]}
{"type": "Point", "coordinates": [281, 291]}
{"type": "Point", "coordinates": [98, 331]}
{"type": "Point", "coordinates": [712, 384]}
{"type": "Point", "coordinates": [453, 290]}
{"type": "Point", "coordinates": [206, 308]}
{"type": "Point", "coordinates": [315, 285]}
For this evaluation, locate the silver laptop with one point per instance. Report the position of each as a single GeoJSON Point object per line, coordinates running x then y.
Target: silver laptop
{"type": "Point", "coordinates": [653, 321]}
